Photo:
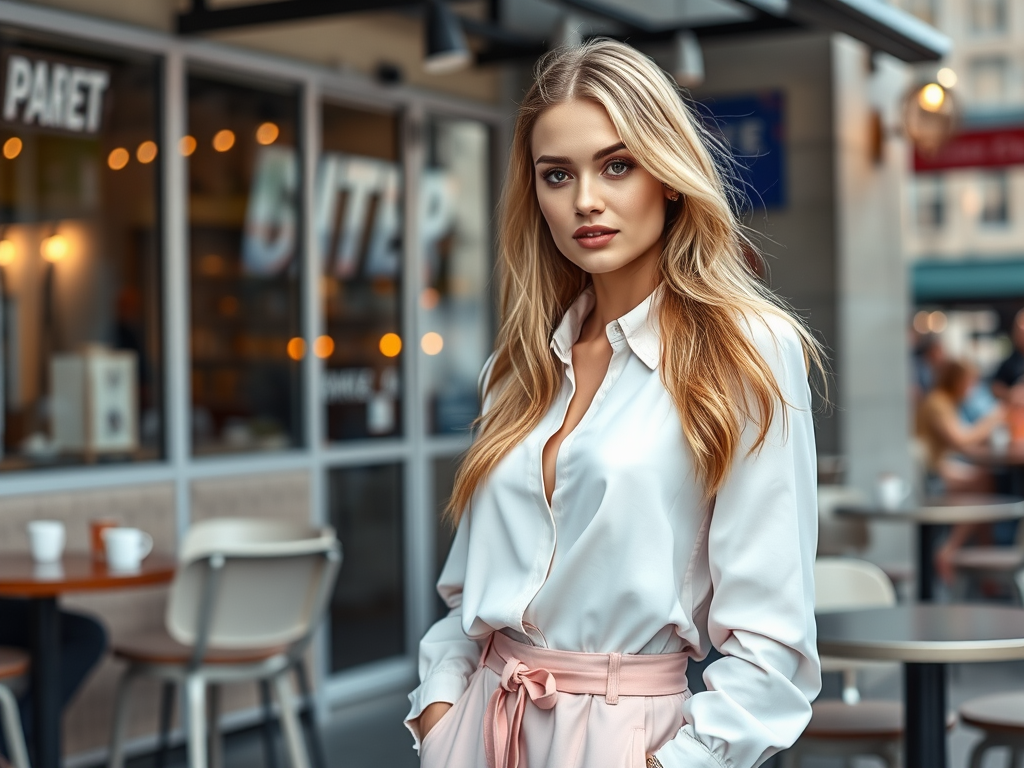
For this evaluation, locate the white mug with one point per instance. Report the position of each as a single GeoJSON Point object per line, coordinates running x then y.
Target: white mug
{"type": "Point", "coordinates": [126, 547]}
{"type": "Point", "coordinates": [892, 490]}
{"type": "Point", "coordinates": [46, 540]}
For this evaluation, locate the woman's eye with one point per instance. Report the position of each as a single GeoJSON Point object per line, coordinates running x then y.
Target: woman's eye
{"type": "Point", "coordinates": [618, 168]}
{"type": "Point", "coordinates": [556, 176]}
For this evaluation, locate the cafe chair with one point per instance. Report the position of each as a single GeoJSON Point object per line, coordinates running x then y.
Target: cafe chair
{"type": "Point", "coordinates": [1003, 565]}
{"type": "Point", "coordinates": [1000, 717]}
{"type": "Point", "coordinates": [13, 668]}
{"type": "Point", "coordinates": [850, 727]}
{"type": "Point", "coordinates": [243, 606]}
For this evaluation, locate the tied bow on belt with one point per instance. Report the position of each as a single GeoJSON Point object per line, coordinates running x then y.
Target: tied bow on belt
{"type": "Point", "coordinates": [501, 731]}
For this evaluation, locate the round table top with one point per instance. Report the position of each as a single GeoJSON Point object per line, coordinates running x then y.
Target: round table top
{"type": "Point", "coordinates": [945, 510]}
{"type": "Point", "coordinates": [21, 576]}
{"type": "Point", "coordinates": [924, 633]}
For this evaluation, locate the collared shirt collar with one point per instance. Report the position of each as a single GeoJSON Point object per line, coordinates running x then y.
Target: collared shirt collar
{"type": "Point", "coordinates": [639, 327]}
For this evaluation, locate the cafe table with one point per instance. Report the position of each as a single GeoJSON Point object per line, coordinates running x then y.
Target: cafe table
{"type": "Point", "coordinates": [925, 638]}
{"type": "Point", "coordinates": [931, 515]}
{"type": "Point", "coordinates": [43, 584]}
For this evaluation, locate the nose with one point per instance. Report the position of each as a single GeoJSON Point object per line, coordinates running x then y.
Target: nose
{"type": "Point", "coordinates": [588, 198]}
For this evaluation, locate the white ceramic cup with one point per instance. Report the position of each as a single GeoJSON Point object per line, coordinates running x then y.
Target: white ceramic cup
{"type": "Point", "coordinates": [126, 547]}
{"type": "Point", "coordinates": [892, 490]}
{"type": "Point", "coordinates": [46, 540]}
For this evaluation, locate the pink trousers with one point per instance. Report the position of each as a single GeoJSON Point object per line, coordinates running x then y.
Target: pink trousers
{"type": "Point", "coordinates": [530, 707]}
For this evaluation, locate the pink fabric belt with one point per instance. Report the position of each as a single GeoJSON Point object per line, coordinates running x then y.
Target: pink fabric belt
{"type": "Point", "coordinates": [539, 674]}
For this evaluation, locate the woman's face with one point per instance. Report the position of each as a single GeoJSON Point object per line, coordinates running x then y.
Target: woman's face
{"type": "Point", "coordinates": [605, 212]}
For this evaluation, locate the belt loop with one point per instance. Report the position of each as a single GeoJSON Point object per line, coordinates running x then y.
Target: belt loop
{"type": "Point", "coordinates": [611, 695]}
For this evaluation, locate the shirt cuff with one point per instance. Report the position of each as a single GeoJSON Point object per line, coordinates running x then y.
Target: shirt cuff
{"type": "Point", "coordinates": [442, 685]}
{"type": "Point", "coordinates": [685, 751]}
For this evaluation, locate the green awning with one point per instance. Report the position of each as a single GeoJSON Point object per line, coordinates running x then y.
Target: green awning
{"type": "Point", "coordinates": [968, 279]}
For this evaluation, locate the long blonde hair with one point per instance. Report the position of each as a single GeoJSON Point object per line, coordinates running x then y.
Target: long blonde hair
{"type": "Point", "coordinates": [709, 366]}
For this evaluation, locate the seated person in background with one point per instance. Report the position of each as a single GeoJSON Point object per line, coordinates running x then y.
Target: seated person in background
{"type": "Point", "coordinates": [945, 433]}
{"type": "Point", "coordinates": [1011, 371]}
{"type": "Point", "coordinates": [83, 641]}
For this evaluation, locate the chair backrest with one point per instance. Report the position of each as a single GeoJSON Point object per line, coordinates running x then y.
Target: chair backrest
{"type": "Point", "coordinates": [840, 535]}
{"type": "Point", "coordinates": [842, 583]}
{"type": "Point", "coordinates": [246, 583]}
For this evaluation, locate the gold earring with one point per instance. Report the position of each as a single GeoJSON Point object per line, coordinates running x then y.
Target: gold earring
{"type": "Point", "coordinates": [674, 195]}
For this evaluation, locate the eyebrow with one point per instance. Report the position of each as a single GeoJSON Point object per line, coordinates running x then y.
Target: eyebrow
{"type": "Point", "coordinates": [551, 160]}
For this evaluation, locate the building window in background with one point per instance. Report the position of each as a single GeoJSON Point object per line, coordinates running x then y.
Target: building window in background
{"type": "Point", "coordinates": [923, 9]}
{"type": "Point", "coordinates": [455, 307]}
{"type": "Point", "coordinates": [81, 364]}
{"type": "Point", "coordinates": [368, 606]}
{"type": "Point", "coordinates": [930, 197]}
{"type": "Point", "coordinates": [995, 198]}
{"type": "Point", "coordinates": [989, 80]}
{"type": "Point", "coordinates": [246, 343]}
{"type": "Point", "coordinates": [358, 208]}
{"type": "Point", "coordinates": [988, 16]}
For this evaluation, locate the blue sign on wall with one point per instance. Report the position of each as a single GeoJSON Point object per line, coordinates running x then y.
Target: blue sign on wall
{"type": "Point", "coordinates": [753, 128]}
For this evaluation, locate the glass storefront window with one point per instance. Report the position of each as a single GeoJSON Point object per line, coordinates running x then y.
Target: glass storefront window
{"type": "Point", "coordinates": [359, 237]}
{"type": "Point", "coordinates": [368, 607]}
{"type": "Point", "coordinates": [81, 364]}
{"type": "Point", "coordinates": [444, 481]}
{"type": "Point", "coordinates": [246, 342]}
{"type": "Point", "coordinates": [455, 213]}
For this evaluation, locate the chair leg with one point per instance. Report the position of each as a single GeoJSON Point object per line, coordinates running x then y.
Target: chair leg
{"type": "Point", "coordinates": [13, 734]}
{"type": "Point", "coordinates": [979, 752]}
{"type": "Point", "coordinates": [167, 696]}
{"type": "Point", "coordinates": [308, 714]}
{"type": "Point", "coordinates": [292, 731]}
{"type": "Point", "coordinates": [213, 728]}
{"type": "Point", "coordinates": [268, 729]}
{"type": "Point", "coordinates": [195, 696]}
{"type": "Point", "coordinates": [120, 718]}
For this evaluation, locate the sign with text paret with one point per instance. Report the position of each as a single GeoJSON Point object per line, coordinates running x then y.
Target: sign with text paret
{"type": "Point", "coordinates": [53, 92]}
{"type": "Point", "coordinates": [753, 128]}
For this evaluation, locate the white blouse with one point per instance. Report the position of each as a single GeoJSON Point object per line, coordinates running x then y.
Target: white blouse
{"type": "Point", "coordinates": [628, 559]}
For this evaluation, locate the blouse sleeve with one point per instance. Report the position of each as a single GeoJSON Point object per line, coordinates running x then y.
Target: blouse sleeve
{"type": "Point", "coordinates": [760, 557]}
{"type": "Point", "coordinates": [447, 656]}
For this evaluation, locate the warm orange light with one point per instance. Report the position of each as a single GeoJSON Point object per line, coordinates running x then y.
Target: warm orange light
{"type": "Point", "coordinates": [12, 147]}
{"type": "Point", "coordinates": [7, 253]}
{"type": "Point", "coordinates": [323, 346]}
{"type": "Point", "coordinates": [937, 322]}
{"type": "Point", "coordinates": [224, 140]}
{"type": "Point", "coordinates": [432, 343]}
{"type": "Point", "coordinates": [267, 133]}
{"type": "Point", "coordinates": [187, 145]}
{"type": "Point", "coordinates": [390, 344]}
{"type": "Point", "coordinates": [118, 158]}
{"type": "Point", "coordinates": [931, 97]}
{"type": "Point", "coordinates": [146, 153]}
{"type": "Point", "coordinates": [296, 348]}
{"type": "Point", "coordinates": [921, 321]}
{"type": "Point", "coordinates": [54, 248]}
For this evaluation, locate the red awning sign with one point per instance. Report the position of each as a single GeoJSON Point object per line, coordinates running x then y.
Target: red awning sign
{"type": "Point", "coordinates": [976, 149]}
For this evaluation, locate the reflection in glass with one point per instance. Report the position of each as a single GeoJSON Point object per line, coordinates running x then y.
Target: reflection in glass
{"type": "Point", "coordinates": [245, 272]}
{"type": "Point", "coordinates": [444, 482]}
{"type": "Point", "coordinates": [368, 607]}
{"type": "Point", "coordinates": [80, 352]}
{"type": "Point", "coordinates": [359, 234]}
{"type": "Point", "coordinates": [455, 212]}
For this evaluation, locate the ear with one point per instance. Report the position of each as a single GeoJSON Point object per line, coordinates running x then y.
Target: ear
{"type": "Point", "coordinates": [670, 194]}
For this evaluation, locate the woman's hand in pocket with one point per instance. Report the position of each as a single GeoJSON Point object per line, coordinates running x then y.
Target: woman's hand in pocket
{"type": "Point", "coordinates": [430, 717]}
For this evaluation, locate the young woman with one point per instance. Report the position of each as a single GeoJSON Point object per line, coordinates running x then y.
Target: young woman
{"type": "Point", "coordinates": [642, 486]}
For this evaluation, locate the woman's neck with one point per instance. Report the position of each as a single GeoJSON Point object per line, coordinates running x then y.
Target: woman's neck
{"type": "Point", "coordinates": [616, 293]}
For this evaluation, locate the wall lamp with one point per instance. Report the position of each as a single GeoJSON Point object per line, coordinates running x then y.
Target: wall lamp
{"type": "Point", "coordinates": [445, 46]}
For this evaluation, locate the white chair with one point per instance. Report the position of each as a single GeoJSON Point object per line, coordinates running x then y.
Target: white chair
{"type": "Point", "coordinates": [243, 606]}
{"type": "Point", "coordinates": [850, 727]}
{"type": "Point", "coordinates": [13, 668]}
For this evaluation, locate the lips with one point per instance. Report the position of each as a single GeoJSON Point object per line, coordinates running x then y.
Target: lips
{"type": "Point", "coordinates": [595, 236]}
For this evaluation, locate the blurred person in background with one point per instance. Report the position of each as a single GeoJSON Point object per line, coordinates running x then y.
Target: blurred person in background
{"type": "Point", "coordinates": [945, 433]}
{"type": "Point", "coordinates": [929, 356]}
{"type": "Point", "coordinates": [600, 544]}
{"type": "Point", "coordinates": [1011, 371]}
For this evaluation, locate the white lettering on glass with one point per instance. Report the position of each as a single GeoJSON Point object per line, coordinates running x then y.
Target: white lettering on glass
{"type": "Point", "coordinates": [54, 95]}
